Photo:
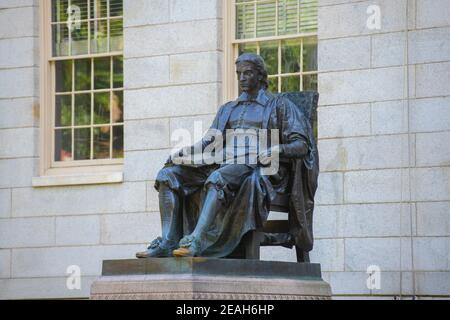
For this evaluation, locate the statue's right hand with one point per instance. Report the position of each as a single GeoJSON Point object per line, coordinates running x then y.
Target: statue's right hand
{"type": "Point", "coordinates": [169, 160]}
{"type": "Point", "coordinates": [178, 154]}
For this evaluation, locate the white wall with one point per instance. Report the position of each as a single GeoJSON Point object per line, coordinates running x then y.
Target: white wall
{"type": "Point", "coordinates": [383, 144]}
{"type": "Point", "coordinates": [172, 69]}
{"type": "Point", "coordinates": [384, 123]}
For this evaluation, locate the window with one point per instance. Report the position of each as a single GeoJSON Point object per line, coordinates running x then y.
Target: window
{"type": "Point", "coordinates": [82, 83]}
{"type": "Point", "coordinates": [283, 32]}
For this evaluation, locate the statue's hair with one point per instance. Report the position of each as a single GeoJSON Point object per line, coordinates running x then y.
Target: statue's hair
{"type": "Point", "coordinates": [259, 63]}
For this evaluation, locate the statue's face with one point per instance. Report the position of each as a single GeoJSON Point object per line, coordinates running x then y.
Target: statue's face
{"type": "Point", "coordinates": [248, 77]}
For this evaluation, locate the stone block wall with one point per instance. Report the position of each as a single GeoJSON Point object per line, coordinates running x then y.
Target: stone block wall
{"type": "Point", "coordinates": [383, 141]}
{"type": "Point", "coordinates": [384, 124]}
{"type": "Point", "coordinates": [172, 79]}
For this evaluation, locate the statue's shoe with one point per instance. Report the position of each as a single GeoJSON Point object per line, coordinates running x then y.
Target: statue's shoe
{"type": "Point", "coordinates": [155, 250]}
{"type": "Point", "coordinates": [182, 252]}
{"type": "Point", "coordinates": [189, 247]}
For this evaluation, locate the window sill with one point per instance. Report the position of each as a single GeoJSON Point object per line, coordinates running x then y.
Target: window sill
{"type": "Point", "coordinates": [76, 180]}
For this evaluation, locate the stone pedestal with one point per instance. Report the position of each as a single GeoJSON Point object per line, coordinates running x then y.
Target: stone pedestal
{"type": "Point", "coordinates": [204, 279]}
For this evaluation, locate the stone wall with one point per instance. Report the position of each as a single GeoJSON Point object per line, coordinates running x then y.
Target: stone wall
{"type": "Point", "coordinates": [384, 124]}
{"type": "Point", "coordinates": [172, 78]}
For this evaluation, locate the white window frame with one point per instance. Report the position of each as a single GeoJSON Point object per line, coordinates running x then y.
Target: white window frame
{"type": "Point", "coordinates": [59, 173]}
{"type": "Point", "coordinates": [231, 48]}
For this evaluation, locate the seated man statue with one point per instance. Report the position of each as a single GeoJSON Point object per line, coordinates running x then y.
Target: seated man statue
{"type": "Point", "coordinates": [206, 209]}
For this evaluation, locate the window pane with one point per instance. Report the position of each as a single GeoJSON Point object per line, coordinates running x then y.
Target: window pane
{"type": "Point", "coordinates": [63, 76]}
{"type": "Point", "coordinates": [99, 8]}
{"type": "Point", "coordinates": [245, 21]}
{"type": "Point", "coordinates": [118, 72]}
{"type": "Point", "coordinates": [82, 74]}
{"type": "Point", "coordinates": [310, 54]}
{"type": "Point", "coordinates": [116, 34]}
{"type": "Point", "coordinates": [59, 10]}
{"type": "Point", "coordinates": [118, 142]}
{"type": "Point", "coordinates": [273, 85]}
{"type": "Point", "coordinates": [82, 143]}
{"type": "Point", "coordinates": [60, 35]}
{"type": "Point", "coordinates": [115, 8]}
{"type": "Point", "coordinates": [79, 33]}
{"type": "Point", "coordinates": [101, 108]}
{"type": "Point", "coordinates": [288, 17]}
{"type": "Point", "coordinates": [82, 109]}
{"type": "Point", "coordinates": [63, 145]}
{"type": "Point", "coordinates": [88, 27]}
{"type": "Point", "coordinates": [310, 82]}
{"type": "Point", "coordinates": [117, 107]}
{"type": "Point", "coordinates": [63, 111]}
{"type": "Point", "coordinates": [99, 36]}
{"type": "Point", "coordinates": [265, 19]}
{"type": "Point", "coordinates": [290, 56]}
{"type": "Point", "coordinates": [247, 48]}
{"type": "Point", "coordinates": [269, 52]}
{"type": "Point", "coordinates": [79, 9]}
{"type": "Point", "coordinates": [290, 84]}
{"type": "Point", "coordinates": [102, 73]}
{"type": "Point", "coordinates": [102, 142]}
{"type": "Point", "coordinates": [294, 16]}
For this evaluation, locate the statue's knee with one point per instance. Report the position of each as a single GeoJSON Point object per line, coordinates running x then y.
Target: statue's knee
{"type": "Point", "coordinates": [215, 180]}
{"type": "Point", "coordinates": [165, 171]}
{"type": "Point", "coordinates": [167, 178]}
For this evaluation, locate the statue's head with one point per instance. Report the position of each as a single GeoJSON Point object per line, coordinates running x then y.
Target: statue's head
{"type": "Point", "coordinates": [251, 72]}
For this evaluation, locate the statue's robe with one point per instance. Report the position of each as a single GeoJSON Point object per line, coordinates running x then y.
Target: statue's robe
{"type": "Point", "coordinates": [246, 208]}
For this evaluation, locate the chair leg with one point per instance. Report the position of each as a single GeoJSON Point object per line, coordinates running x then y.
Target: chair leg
{"type": "Point", "coordinates": [252, 242]}
{"type": "Point", "coordinates": [302, 256]}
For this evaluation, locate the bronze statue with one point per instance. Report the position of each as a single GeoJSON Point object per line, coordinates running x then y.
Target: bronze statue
{"type": "Point", "coordinates": [206, 209]}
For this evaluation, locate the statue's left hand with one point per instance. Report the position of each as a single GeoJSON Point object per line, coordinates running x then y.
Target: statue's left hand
{"type": "Point", "coordinates": [266, 156]}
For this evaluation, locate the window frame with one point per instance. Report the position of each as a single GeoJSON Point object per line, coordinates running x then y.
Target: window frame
{"type": "Point", "coordinates": [231, 48]}
{"type": "Point", "coordinates": [47, 165]}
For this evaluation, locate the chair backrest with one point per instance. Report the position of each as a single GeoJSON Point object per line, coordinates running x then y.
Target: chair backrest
{"type": "Point", "coordinates": [307, 101]}
{"type": "Point", "coordinates": [275, 232]}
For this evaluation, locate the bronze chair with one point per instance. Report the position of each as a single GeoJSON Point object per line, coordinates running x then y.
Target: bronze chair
{"type": "Point", "coordinates": [275, 232]}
